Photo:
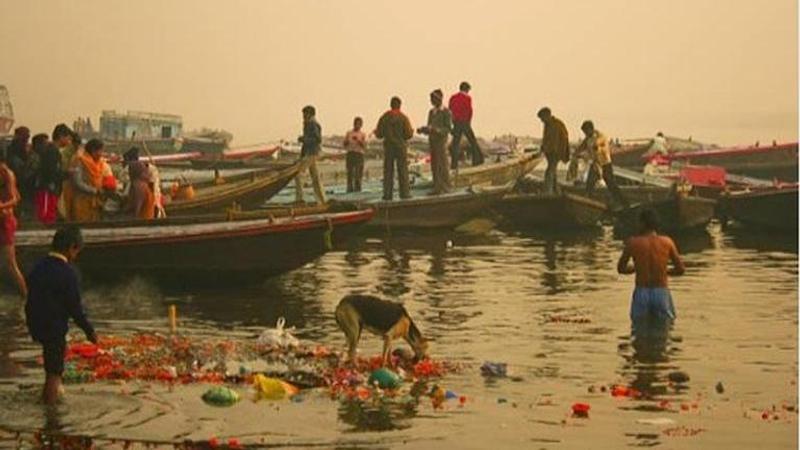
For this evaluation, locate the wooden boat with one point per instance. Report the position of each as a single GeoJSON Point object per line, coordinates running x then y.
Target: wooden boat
{"type": "Point", "coordinates": [775, 161]}
{"type": "Point", "coordinates": [253, 242]}
{"type": "Point", "coordinates": [251, 156]}
{"type": "Point", "coordinates": [432, 211]}
{"type": "Point", "coordinates": [495, 174]}
{"type": "Point", "coordinates": [489, 174]}
{"type": "Point", "coordinates": [771, 209]}
{"type": "Point", "coordinates": [678, 213]}
{"type": "Point", "coordinates": [678, 208]}
{"type": "Point", "coordinates": [247, 190]}
{"type": "Point", "coordinates": [563, 210]}
{"type": "Point", "coordinates": [632, 153]}
{"type": "Point", "coordinates": [636, 187]}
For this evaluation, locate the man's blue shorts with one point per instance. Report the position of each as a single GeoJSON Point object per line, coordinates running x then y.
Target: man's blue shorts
{"type": "Point", "coordinates": [655, 303]}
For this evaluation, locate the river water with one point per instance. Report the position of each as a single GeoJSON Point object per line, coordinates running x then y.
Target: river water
{"type": "Point", "coordinates": [492, 297]}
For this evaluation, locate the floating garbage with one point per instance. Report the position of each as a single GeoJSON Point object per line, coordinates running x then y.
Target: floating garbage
{"type": "Point", "coordinates": [278, 337]}
{"type": "Point", "coordinates": [428, 368]}
{"type": "Point", "coordinates": [438, 396]}
{"type": "Point", "coordinates": [272, 388]}
{"type": "Point", "coordinates": [221, 396]}
{"type": "Point", "coordinates": [624, 391]}
{"type": "Point", "coordinates": [658, 421]}
{"type": "Point", "coordinates": [384, 379]}
{"type": "Point", "coordinates": [678, 376]}
{"type": "Point", "coordinates": [581, 410]}
{"type": "Point", "coordinates": [494, 369]}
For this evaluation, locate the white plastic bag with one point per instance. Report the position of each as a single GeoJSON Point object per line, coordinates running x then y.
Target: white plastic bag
{"type": "Point", "coordinates": [278, 336]}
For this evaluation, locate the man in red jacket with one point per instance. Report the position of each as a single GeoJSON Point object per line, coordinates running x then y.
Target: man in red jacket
{"type": "Point", "coordinates": [461, 108]}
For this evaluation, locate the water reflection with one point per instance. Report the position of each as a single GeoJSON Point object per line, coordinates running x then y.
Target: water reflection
{"type": "Point", "coordinates": [746, 238]}
{"type": "Point", "coordinates": [381, 413]}
{"type": "Point", "coordinates": [648, 356]}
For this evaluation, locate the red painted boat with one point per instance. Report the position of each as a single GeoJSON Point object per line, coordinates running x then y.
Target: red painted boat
{"type": "Point", "coordinates": [775, 161]}
{"type": "Point", "coordinates": [264, 245]}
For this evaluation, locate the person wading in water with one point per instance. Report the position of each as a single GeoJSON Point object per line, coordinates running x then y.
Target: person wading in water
{"type": "Point", "coordinates": [651, 254]}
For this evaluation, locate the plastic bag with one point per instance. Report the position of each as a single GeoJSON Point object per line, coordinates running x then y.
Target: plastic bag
{"type": "Point", "coordinates": [278, 336]}
{"type": "Point", "coordinates": [221, 396]}
{"type": "Point", "coordinates": [273, 388]}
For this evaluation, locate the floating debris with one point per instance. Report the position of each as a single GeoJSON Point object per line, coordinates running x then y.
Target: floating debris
{"type": "Point", "coordinates": [581, 410]}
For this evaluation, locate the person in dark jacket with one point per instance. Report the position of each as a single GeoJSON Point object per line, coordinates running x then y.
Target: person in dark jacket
{"type": "Point", "coordinates": [311, 142]}
{"type": "Point", "coordinates": [47, 184]}
{"type": "Point", "coordinates": [53, 298]}
{"type": "Point", "coordinates": [395, 129]}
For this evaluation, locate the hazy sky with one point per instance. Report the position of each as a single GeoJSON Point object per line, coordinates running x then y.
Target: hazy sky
{"type": "Point", "coordinates": [720, 70]}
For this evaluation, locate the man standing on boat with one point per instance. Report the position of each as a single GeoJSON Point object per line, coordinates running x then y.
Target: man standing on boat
{"type": "Point", "coordinates": [555, 146]}
{"type": "Point", "coordinates": [53, 299]}
{"type": "Point", "coordinates": [461, 108]}
{"type": "Point", "coordinates": [311, 141]}
{"type": "Point", "coordinates": [438, 129]}
{"type": "Point", "coordinates": [596, 144]}
{"type": "Point", "coordinates": [395, 130]}
{"type": "Point", "coordinates": [651, 254]}
{"type": "Point", "coordinates": [355, 142]}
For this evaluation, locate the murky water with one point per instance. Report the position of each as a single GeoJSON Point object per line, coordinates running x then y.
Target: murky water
{"type": "Point", "coordinates": [490, 297]}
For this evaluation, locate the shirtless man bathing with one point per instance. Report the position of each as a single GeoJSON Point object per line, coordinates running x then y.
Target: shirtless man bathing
{"type": "Point", "coordinates": [651, 253]}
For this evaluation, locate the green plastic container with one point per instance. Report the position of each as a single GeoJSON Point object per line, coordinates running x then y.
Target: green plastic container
{"type": "Point", "coordinates": [385, 379]}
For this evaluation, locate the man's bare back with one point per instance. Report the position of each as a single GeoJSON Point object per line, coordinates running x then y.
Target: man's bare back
{"type": "Point", "coordinates": [651, 253]}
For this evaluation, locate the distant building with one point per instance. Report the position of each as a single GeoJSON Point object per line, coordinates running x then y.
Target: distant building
{"type": "Point", "coordinates": [140, 125]}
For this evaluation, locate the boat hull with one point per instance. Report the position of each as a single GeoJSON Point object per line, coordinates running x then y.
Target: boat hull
{"type": "Point", "coordinates": [774, 209]}
{"type": "Point", "coordinates": [550, 210]}
{"type": "Point", "coordinates": [435, 211]}
{"type": "Point", "coordinates": [497, 174]}
{"type": "Point", "coordinates": [676, 214]}
{"type": "Point", "coordinates": [245, 191]}
{"type": "Point", "coordinates": [264, 246]}
{"type": "Point", "coordinates": [778, 161]}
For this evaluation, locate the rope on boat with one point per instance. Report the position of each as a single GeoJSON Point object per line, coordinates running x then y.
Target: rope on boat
{"type": "Point", "coordinates": [327, 236]}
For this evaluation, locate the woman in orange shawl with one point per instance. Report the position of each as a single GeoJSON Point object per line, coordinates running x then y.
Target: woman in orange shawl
{"type": "Point", "coordinates": [87, 184]}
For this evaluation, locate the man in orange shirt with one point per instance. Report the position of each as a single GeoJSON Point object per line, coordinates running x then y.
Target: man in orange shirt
{"type": "Point", "coordinates": [651, 254]}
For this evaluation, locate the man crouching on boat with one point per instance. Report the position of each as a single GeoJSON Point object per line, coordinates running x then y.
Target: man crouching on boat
{"type": "Point", "coordinates": [54, 297]}
{"type": "Point", "coordinates": [651, 253]}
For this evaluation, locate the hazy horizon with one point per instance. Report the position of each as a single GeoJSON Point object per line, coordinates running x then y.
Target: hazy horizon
{"type": "Point", "coordinates": [721, 71]}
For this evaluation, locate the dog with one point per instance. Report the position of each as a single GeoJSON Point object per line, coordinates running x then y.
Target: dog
{"type": "Point", "coordinates": [384, 318]}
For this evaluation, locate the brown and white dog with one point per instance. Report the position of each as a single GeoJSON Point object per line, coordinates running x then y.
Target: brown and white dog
{"type": "Point", "coordinates": [384, 318]}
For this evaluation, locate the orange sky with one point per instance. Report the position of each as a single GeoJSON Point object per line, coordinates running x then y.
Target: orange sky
{"type": "Point", "coordinates": [722, 71]}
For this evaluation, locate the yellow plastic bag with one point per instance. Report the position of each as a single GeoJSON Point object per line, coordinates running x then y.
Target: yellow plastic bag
{"type": "Point", "coordinates": [272, 388]}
